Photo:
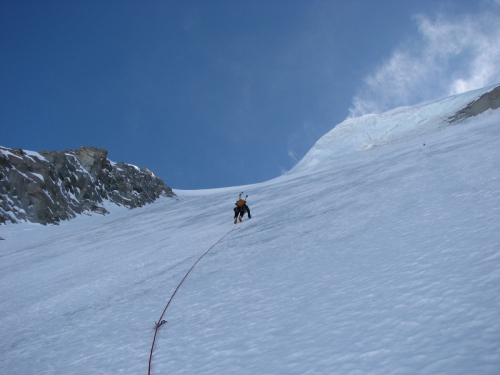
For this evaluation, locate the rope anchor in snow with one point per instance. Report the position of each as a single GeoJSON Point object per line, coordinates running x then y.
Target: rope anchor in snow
{"type": "Point", "coordinates": [160, 323]}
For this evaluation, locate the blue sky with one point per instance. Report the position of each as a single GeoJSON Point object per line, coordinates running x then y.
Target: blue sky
{"type": "Point", "coordinates": [218, 93]}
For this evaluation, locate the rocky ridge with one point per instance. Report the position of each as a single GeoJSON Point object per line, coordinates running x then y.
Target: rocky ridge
{"type": "Point", "coordinates": [51, 186]}
{"type": "Point", "coordinates": [489, 100]}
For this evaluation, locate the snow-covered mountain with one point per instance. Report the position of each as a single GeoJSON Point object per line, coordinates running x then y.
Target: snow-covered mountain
{"type": "Point", "coordinates": [375, 255]}
{"type": "Point", "coordinates": [400, 124]}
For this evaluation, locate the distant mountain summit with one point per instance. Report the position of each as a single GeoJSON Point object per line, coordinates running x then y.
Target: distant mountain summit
{"type": "Point", "coordinates": [51, 186]}
{"type": "Point", "coordinates": [374, 130]}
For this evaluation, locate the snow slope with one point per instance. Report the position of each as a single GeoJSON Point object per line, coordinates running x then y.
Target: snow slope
{"type": "Point", "coordinates": [379, 262]}
{"type": "Point", "coordinates": [400, 124]}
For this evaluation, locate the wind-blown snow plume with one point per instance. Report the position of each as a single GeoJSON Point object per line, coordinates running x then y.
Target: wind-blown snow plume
{"type": "Point", "coordinates": [452, 56]}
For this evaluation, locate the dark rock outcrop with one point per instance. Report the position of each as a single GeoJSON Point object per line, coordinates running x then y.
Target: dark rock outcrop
{"type": "Point", "coordinates": [48, 187]}
{"type": "Point", "coordinates": [489, 100]}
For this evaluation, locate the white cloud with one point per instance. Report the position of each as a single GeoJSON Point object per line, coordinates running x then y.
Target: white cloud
{"type": "Point", "coordinates": [450, 56]}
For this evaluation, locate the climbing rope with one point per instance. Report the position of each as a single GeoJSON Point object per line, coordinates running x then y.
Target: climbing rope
{"type": "Point", "coordinates": [161, 321]}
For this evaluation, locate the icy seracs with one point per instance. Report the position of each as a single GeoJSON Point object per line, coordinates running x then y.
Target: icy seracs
{"type": "Point", "coordinates": [361, 133]}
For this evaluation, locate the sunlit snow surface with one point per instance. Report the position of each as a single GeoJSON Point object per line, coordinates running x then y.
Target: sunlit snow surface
{"type": "Point", "coordinates": [383, 262]}
{"type": "Point", "coordinates": [374, 130]}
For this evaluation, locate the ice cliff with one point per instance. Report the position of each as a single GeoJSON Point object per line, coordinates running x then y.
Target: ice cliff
{"type": "Point", "coordinates": [366, 132]}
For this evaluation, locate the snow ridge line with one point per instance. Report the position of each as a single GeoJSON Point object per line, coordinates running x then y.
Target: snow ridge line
{"type": "Point", "coordinates": [161, 321]}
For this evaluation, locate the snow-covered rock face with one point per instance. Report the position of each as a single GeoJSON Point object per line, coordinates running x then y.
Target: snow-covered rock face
{"type": "Point", "coordinates": [366, 132]}
{"type": "Point", "coordinates": [48, 187]}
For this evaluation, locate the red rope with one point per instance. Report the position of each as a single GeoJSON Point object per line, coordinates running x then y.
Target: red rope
{"type": "Point", "coordinates": [160, 321]}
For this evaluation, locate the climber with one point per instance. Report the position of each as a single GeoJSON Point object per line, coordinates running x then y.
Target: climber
{"type": "Point", "coordinates": [241, 208]}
